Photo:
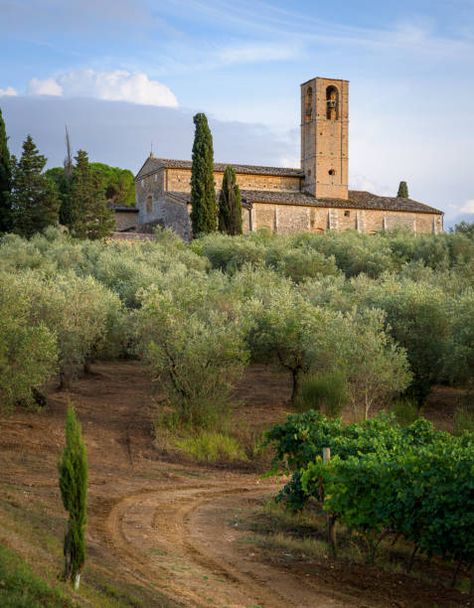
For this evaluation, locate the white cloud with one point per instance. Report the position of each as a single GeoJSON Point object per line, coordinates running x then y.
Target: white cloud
{"type": "Point", "coordinates": [49, 86]}
{"type": "Point", "coordinates": [468, 207]}
{"type": "Point", "coordinates": [117, 85]}
{"type": "Point", "coordinates": [8, 92]}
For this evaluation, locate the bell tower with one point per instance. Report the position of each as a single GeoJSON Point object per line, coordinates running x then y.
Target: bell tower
{"type": "Point", "coordinates": [324, 137]}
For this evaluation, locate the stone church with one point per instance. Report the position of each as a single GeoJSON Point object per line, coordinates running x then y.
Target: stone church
{"type": "Point", "coordinates": [313, 198]}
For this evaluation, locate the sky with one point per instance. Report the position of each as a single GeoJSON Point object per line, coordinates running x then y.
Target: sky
{"type": "Point", "coordinates": [128, 75]}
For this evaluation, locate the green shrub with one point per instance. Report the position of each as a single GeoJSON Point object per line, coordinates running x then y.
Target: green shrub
{"type": "Point", "coordinates": [324, 392]}
{"type": "Point", "coordinates": [406, 411]}
{"type": "Point", "coordinates": [212, 447]}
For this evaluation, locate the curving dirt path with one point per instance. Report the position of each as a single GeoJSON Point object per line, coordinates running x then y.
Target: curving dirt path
{"type": "Point", "coordinates": [187, 538]}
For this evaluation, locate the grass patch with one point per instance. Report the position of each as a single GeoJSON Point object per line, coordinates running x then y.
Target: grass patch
{"type": "Point", "coordinates": [20, 588]}
{"type": "Point", "coordinates": [209, 446]}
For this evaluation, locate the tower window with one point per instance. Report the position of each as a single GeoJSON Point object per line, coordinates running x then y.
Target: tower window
{"type": "Point", "coordinates": [308, 105]}
{"type": "Point", "coordinates": [332, 103]}
{"type": "Point", "coordinates": [347, 213]}
{"type": "Point", "coordinates": [332, 172]}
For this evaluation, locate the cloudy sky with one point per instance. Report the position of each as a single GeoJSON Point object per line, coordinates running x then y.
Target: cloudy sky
{"type": "Point", "coordinates": [128, 74]}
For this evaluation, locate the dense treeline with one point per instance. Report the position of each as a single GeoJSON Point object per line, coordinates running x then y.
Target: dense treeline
{"type": "Point", "coordinates": [76, 196]}
{"type": "Point", "coordinates": [380, 316]}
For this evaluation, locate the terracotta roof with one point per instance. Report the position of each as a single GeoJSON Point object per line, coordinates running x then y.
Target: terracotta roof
{"type": "Point", "coordinates": [357, 200]}
{"type": "Point", "coordinates": [153, 164]}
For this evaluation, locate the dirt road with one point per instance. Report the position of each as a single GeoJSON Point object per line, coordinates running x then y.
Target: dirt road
{"type": "Point", "coordinates": [156, 528]}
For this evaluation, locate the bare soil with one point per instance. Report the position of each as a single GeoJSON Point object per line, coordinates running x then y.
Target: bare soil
{"type": "Point", "coordinates": [164, 533]}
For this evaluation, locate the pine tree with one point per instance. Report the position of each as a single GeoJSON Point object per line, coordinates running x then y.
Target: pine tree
{"type": "Point", "coordinates": [5, 179]}
{"type": "Point", "coordinates": [90, 217]}
{"type": "Point", "coordinates": [230, 204]}
{"type": "Point", "coordinates": [72, 470]}
{"type": "Point", "coordinates": [34, 198]}
{"type": "Point", "coordinates": [403, 190]}
{"type": "Point", "coordinates": [203, 194]}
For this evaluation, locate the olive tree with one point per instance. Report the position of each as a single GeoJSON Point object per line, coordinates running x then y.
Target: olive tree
{"type": "Point", "coordinates": [28, 354]}
{"type": "Point", "coordinates": [80, 311]}
{"type": "Point", "coordinates": [195, 349]}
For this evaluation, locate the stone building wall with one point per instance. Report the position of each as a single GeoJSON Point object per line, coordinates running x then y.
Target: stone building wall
{"type": "Point", "coordinates": [125, 220]}
{"type": "Point", "coordinates": [288, 219]}
{"type": "Point", "coordinates": [150, 190]}
{"type": "Point", "coordinates": [179, 180]}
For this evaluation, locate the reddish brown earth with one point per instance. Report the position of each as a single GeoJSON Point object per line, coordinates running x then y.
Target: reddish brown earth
{"type": "Point", "coordinates": [168, 532]}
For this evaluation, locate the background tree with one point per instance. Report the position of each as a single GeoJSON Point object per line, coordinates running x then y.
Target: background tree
{"type": "Point", "coordinates": [73, 486]}
{"type": "Point", "coordinates": [5, 179]}
{"type": "Point", "coordinates": [464, 227]}
{"type": "Point", "coordinates": [230, 204]}
{"type": "Point", "coordinates": [403, 190]}
{"type": "Point", "coordinates": [90, 216]}
{"type": "Point", "coordinates": [34, 198]}
{"type": "Point", "coordinates": [203, 194]}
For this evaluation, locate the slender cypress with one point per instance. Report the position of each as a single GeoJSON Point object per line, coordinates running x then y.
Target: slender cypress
{"type": "Point", "coordinates": [203, 194]}
{"type": "Point", "coordinates": [5, 179]}
{"type": "Point", "coordinates": [72, 470]}
{"type": "Point", "coordinates": [403, 190]}
{"type": "Point", "coordinates": [230, 204]}
{"type": "Point", "coordinates": [34, 198]}
{"type": "Point", "coordinates": [90, 217]}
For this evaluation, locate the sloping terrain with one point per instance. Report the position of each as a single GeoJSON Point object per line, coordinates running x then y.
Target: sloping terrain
{"type": "Point", "coordinates": [162, 533]}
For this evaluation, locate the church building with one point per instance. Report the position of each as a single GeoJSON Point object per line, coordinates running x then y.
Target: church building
{"type": "Point", "coordinates": [313, 198]}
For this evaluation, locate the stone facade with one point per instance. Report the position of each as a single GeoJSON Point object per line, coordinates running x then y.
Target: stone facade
{"type": "Point", "coordinates": [314, 198]}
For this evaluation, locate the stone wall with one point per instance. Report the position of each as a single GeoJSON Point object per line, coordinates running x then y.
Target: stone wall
{"type": "Point", "coordinates": [289, 219]}
{"type": "Point", "coordinates": [125, 220]}
{"type": "Point", "coordinates": [149, 191]}
{"type": "Point", "coordinates": [179, 180]}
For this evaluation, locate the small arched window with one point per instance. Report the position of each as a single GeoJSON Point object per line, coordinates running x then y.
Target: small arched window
{"type": "Point", "coordinates": [149, 203]}
{"type": "Point", "coordinates": [308, 105]}
{"type": "Point", "coordinates": [332, 103]}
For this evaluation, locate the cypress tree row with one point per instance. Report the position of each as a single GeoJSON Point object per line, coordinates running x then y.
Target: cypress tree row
{"type": "Point", "coordinates": [203, 194]}
{"type": "Point", "coordinates": [90, 217]}
{"type": "Point", "coordinates": [5, 179]}
{"type": "Point", "coordinates": [403, 190]}
{"type": "Point", "coordinates": [230, 204]}
{"type": "Point", "coordinates": [73, 485]}
{"type": "Point", "coordinates": [34, 198]}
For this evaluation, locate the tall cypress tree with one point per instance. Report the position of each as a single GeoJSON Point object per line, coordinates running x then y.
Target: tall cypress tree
{"type": "Point", "coordinates": [403, 190]}
{"type": "Point", "coordinates": [230, 204]}
{"type": "Point", "coordinates": [64, 181]}
{"type": "Point", "coordinates": [34, 198]}
{"type": "Point", "coordinates": [72, 470]}
{"type": "Point", "coordinates": [90, 216]}
{"type": "Point", "coordinates": [5, 179]}
{"type": "Point", "coordinates": [203, 194]}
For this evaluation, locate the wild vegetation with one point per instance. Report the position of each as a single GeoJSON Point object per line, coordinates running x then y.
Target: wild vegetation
{"type": "Point", "coordinates": [358, 323]}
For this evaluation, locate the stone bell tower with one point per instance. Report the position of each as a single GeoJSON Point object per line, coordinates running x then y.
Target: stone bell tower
{"type": "Point", "coordinates": [324, 137]}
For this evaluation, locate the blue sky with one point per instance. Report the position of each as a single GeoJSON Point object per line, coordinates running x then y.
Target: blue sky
{"type": "Point", "coordinates": [95, 63]}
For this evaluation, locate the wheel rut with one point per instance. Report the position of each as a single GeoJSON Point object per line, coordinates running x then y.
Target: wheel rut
{"type": "Point", "coordinates": [185, 541]}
